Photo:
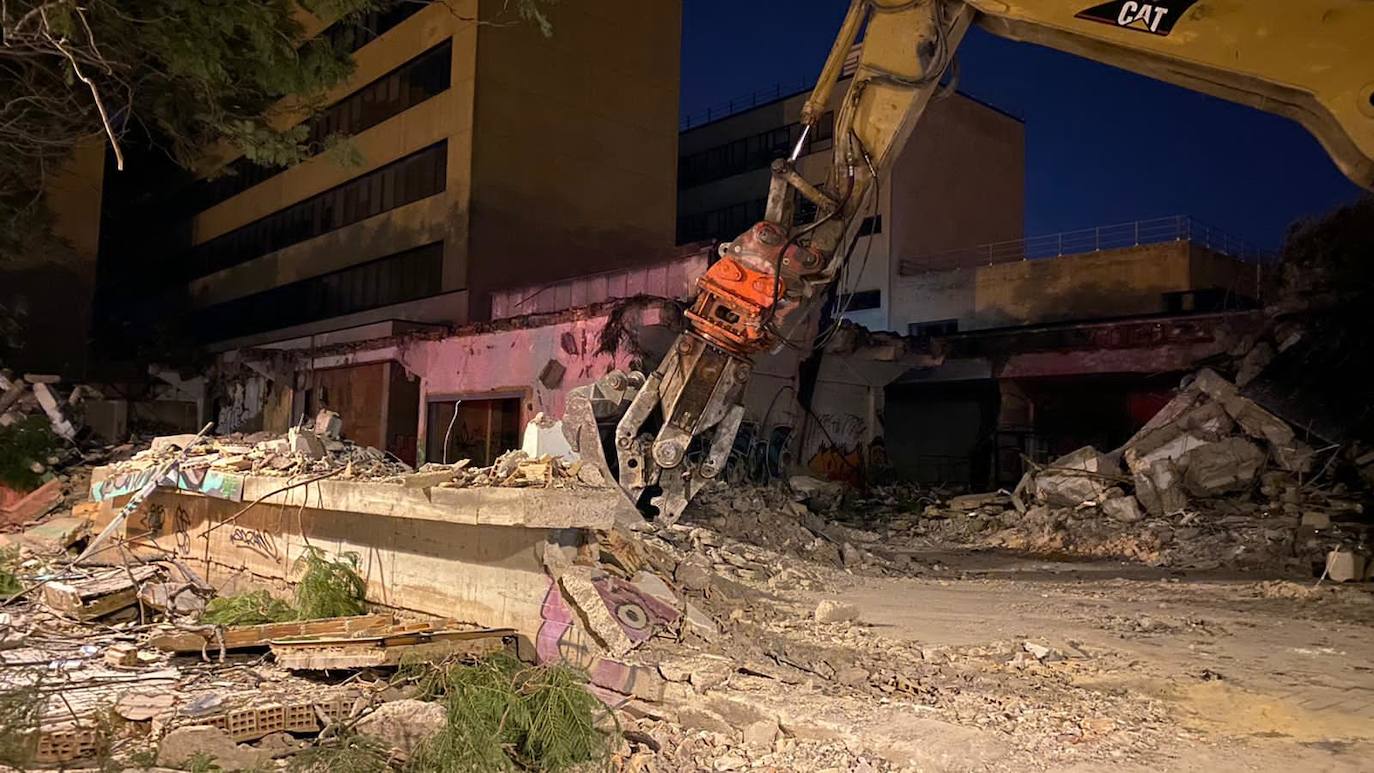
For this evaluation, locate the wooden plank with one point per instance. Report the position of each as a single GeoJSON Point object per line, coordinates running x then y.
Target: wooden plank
{"type": "Point", "coordinates": [242, 637]}
{"type": "Point", "coordinates": [350, 656]}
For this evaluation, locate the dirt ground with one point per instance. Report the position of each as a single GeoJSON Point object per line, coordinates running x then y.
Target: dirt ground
{"type": "Point", "coordinates": [1148, 669]}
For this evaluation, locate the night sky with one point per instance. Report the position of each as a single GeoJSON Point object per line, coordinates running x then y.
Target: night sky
{"type": "Point", "coordinates": [1103, 146]}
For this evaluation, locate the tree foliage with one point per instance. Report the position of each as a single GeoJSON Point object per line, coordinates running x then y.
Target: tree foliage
{"type": "Point", "coordinates": [186, 73]}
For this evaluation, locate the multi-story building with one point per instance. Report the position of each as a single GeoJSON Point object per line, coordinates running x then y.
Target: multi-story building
{"type": "Point", "coordinates": [476, 156]}
{"type": "Point", "coordinates": [959, 180]}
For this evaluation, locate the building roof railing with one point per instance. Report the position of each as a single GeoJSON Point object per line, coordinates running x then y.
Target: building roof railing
{"type": "Point", "coordinates": [739, 104]}
{"type": "Point", "coordinates": [1179, 228]}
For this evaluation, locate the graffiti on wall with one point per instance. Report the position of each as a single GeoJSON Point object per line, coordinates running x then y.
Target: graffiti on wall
{"type": "Point", "coordinates": [561, 640]}
{"type": "Point", "coordinates": [211, 483]}
{"type": "Point", "coordinates": [255, 540]}
{"type": "Point", "coordinates": [839, 453]}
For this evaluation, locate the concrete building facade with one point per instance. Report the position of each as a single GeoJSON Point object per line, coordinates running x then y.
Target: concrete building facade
{"type": "Point", "coordinates": [477, 156]}
{"type": "Point", "coordinates": [959, 180]}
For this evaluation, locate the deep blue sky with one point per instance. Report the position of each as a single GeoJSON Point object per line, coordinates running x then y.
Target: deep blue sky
{"type": "Point", "coordinates": [1103, 146]}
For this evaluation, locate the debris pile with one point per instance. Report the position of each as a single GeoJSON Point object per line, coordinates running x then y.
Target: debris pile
{"type": "Point", "coordinates": [1212, 481]}
{"type": "Point", "coordinates": [45, 445]}
{"type": "Point", "coordinates": [307, 451]}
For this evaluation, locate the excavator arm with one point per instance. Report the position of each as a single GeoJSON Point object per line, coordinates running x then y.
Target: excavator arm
{"type": "Point", "coordinates": [665, 435]}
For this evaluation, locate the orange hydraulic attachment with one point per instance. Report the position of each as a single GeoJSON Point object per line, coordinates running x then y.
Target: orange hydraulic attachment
{"type": "Point", "coordinates": [739, 292]}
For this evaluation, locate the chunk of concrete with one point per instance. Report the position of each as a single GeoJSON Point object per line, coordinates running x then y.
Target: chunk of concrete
{"type": "Point", "coordinates": [699, 622]}
{"type": "Point", "coordinates": [1216, 468]}
{"type": "Point", "coordinates": [1345, 566]}
{"type": "Point", "coordinates": [1316, 520]}
{"type": "Point", "coordinates": [171, 442]}
{"type": "Point", "coordinates": [652, 585]}
{"type": "Point", "coordinates": [1159, 487]}
{"type": "Point", "coordinates": [1123, 509]}
{"type": "Point", "coordinates": [578, 587]}
{"type": "Point", "coordinates": [829, 611]}
{"type": "Point", "coordinates": [184, 743]}
{"type": "Point", "coordinates": [1082, 476]}
{"type": "Point", "coordinates": [305, 442]}
{"type": "Point", "coordinates": [693, 573]}
{"type": "Point", "coordinates": [60, 426]}
{"type": "Point", "coordinates": [404, 724]}
{"type": "Point", "coordinates": [761, 734]}
{"type": "Point", "coordinates": [328, 424]}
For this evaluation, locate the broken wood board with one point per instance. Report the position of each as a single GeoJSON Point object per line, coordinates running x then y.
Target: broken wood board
{"type": "Point", "coordinates": [106, 592]}
{"type": "Point", "coordinates": [247, 636]}
{"type": "Point", "coordinates": [323, 654]}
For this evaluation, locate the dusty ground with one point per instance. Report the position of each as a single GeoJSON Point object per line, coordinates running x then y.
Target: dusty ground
{"type": "Point", "coordinates": [1151, 669]}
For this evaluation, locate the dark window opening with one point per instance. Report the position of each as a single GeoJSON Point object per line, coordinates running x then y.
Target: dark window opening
{"type": "Point", "coordinates": [476, 430]}
{"type": "Point", "coordinates": [1206, 300]}
{"type": "Point", "coordinates": [872, 224]}
{"type": "Point", "coordinates": [417, 176]}
{"type": "Point", "coordinates": [723, 223]}
{"type": "Point", "coordinates": [391, 94]}
{"type": "Point", "coordinates": [404, 276]}
{"type": "Point", "coordinates": [754, 152]}
{"type": "Point", "coordinates": [861, 301]}
{"type": "Point", "coordinates": [933, 329]}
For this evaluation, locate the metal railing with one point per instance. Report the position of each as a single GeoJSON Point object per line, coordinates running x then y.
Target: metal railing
{"type": "Point", "coordinates": [1179, 228]}
{"type": "Point", "coordinates": [744, 102]}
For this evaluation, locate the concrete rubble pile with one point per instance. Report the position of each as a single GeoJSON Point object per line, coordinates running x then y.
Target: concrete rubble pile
{"type": "Point", "coordinates": [47, 468]}
{"type": "Point", "coordinates": [1213, 480]}
{"type": "Point", "coordinates": [318, 450]}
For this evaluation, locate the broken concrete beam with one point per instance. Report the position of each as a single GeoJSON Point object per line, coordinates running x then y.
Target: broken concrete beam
{"type": "Point", "coordinates": [60, 426]}
{"type": "Point", "coordinates": [106, 592]}
{"type": "Point", "coordinates": [1216, 468]}
{"type": "Point", "coordinates": [386, 648]}
{"type": "Point", "coordinates": [42, 378]}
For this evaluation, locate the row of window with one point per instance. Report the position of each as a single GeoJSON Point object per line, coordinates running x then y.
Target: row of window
{"type": "Point", "coordinates": [720, 224]}
{"type": "Point", "coordinates": [731, 221]}
{"type": "Point", "coordinates": [749, 153]}
{"type": "Point", "coordinates": [366, 27]}
{"type": "Point", "coordinates": [405, 276]}
{"type": "Point", "coordinates": [401, 182]}
{"type": "Point", "coordinates": [401, 89]}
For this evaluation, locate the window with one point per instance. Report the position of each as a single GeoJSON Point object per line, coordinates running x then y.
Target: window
{"type": "Point", "coordinates": [412, 178]}
{"type": "Point", "coordinates": [476, 430]}
{"type": "Point", "coordinates": [371, 25]}
{"type": "Point", "coordinates": [405, 276]}
{"type": "Point", "coordinates": [753, 152]}
{"type": "Point", "coordinates": [933, 329]}
{"type": "Point", "coordinates": [873, 224]}
{"type": "Point", "coordinates": [393, 93]}
{"type": "Point", "coordinates": [723, 223]}
{"type": "Point", "coordinates": [863, 300]}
